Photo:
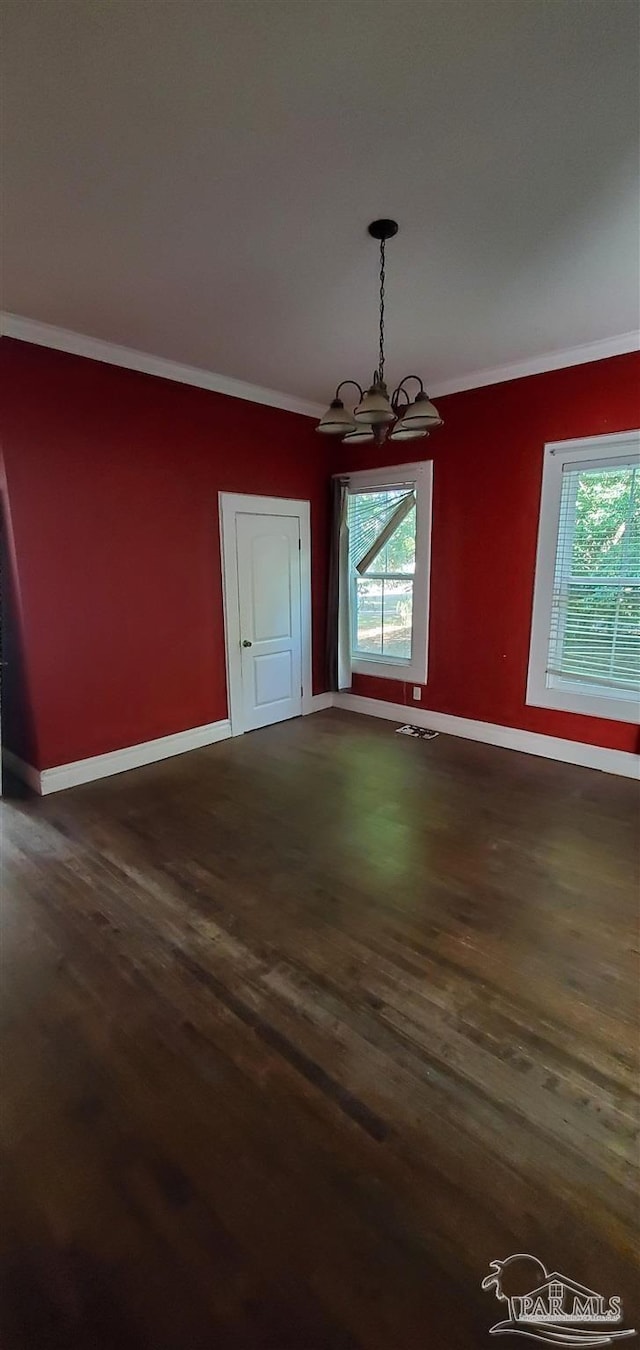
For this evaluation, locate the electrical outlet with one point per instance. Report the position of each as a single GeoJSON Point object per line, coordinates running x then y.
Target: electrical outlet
{"type": "Point", "coordinates": [417, 693]}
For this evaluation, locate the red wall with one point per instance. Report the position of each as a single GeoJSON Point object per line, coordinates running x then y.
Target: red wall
{"type": "Point", "coordinates": [487, 480]}
{"type": "Point", "coordinates": [112, 520]}
{"type": "Point", "coordinates": [112, 536]}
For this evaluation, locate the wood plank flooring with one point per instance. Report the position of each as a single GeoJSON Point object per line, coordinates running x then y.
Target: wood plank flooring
{"type": "Point", "coordinates": [301, 1031]}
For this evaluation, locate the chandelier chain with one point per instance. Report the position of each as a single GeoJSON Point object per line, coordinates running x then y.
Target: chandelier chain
{"type": "Point", "coordinates": [381, 355]}
{"type": "Point", "coordinates": [379, 413]}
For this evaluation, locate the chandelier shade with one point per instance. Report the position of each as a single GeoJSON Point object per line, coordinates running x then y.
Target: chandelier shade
{"type": "Point", "coordinates": [375, 407]}
{"type": "Point", "coordinates": [402, 433]}
{"type": "Point", "coordinates": [377, 414]}
{"type": "Point", "coordinates": [360, 433]}
{"type": "Point", "coordinates": [422, 413]}
{"type": "Point", "coordinates": [337, 420]}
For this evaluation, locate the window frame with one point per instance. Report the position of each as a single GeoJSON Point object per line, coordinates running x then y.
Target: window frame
{"type": "Point", "coordinates": [418, 476]}
{"type": "Point", "coordinates": [573, 696]}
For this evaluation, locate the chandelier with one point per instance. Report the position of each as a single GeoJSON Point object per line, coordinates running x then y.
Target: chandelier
{"type": "Point", "coordinates": [377, 415]}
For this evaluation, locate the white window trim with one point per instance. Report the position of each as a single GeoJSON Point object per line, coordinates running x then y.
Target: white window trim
{"type": "Point", "coordinates": [571, 697]}
{"type": "Point", "coordinates": [420, 477]}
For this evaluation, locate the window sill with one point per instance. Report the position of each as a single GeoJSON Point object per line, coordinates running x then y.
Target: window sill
{"type": "Point", "coordinates": [410, 671]}
{"type": "Point", "coordinates": [611, 708]}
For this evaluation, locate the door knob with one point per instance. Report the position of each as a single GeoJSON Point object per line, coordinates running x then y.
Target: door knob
{"type": "Point", "coordinates": [245, 642]}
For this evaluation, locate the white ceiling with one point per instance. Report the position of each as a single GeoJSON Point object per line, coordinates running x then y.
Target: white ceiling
{"type": "Point", "coordinates": [194, 178]}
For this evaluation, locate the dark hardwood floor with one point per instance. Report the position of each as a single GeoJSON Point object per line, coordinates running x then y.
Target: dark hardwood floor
{"type": "Point", "coordinates": [303, 1030]}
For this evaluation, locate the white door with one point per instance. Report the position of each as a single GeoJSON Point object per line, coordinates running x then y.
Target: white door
{"type": "Point", "coordinates": [268, 556]}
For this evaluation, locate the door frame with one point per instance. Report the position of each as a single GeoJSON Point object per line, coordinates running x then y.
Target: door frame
{"type": "Point", "coordinates": [230, 504]}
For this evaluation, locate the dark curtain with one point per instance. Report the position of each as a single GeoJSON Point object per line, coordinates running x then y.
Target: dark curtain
{"type": "Point", "coordinates": [338, 633]}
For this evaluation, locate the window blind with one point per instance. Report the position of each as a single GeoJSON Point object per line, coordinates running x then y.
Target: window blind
{"type": "Point", "coordinates": [370, 512]}
{"type": "Point", "coordinates": [595, 620]}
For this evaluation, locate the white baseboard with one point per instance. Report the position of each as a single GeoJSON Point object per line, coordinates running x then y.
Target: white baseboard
{"type": "Point", "coordinates": [117, 761]}
{"type": "Point", "coordinates": [510, 738]}
{"type": "Point", "coordinates": [149, 752]}
{"type": "Point", "coordinates": [25, 772]}
{"type": "Point", "coordinates": [319, 702]}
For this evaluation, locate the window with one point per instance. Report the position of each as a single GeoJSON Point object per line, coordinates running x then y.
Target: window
{"type": "Point", "coordinates": [585, 640]}
{"type": "Point", "coordinates": [389, 520]}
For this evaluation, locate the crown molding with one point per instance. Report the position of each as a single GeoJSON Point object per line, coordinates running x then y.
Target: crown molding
{"type": "Point", "coordinates": [96, 349]}
{"type": "Point", "coordinates": [539, 365]}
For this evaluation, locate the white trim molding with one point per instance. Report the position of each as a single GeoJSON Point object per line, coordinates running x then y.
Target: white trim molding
{"type": "Point", "coordinates": [230, 504]}
{"type": "Point", "coordinates": [79, 771]}
{"type": "Point", "coordinates": [509, 738]}
{"type": "Point", "coordinates": [619, 345]}
{"type": "Point", "coordinates": [112, 353]}
{"type": "Point", "coordinates": [97, 349]}
{"type": "Point", "coordinates": [543, 689]}
{"type": "Point", "coordinates": [619, 762]}
{"type": "Point", "coordinates": [20, 769]}
{"type": "Point", "coordinates": [319, 703]}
